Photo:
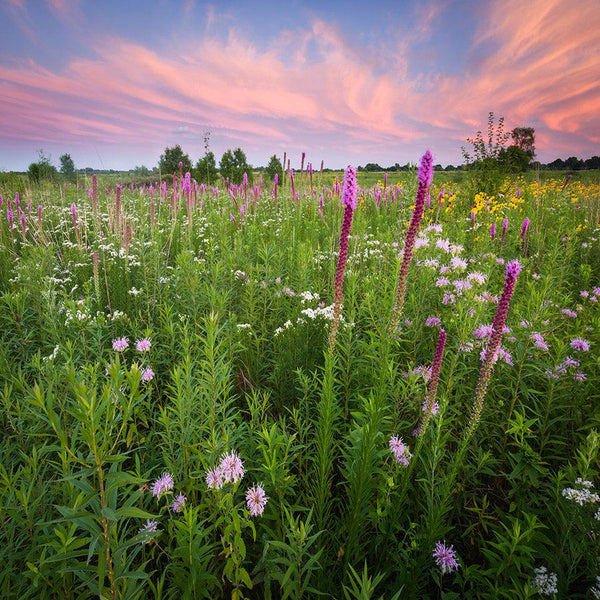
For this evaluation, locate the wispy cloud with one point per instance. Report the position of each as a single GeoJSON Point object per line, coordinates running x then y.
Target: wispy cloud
{"type": "Point", "coordinates": [315, 86]}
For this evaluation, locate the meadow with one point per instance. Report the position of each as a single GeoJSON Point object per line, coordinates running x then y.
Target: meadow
{"type": "Point", "coordinates": [241, 391]}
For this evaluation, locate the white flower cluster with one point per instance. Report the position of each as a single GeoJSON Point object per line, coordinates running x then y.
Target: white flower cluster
{"type": "Point", "coordinates": [326, 313]}
{"type": "Point", "coordinates": [308, 296]}
{"type": "Point", "coordinates": [582, 495]}
{"type": "Point", "coordinates": [545, 583]}
{"type": "Point", "coordinates": [595, 590]}
{"type": "Point", "coordinates": [52, 356]}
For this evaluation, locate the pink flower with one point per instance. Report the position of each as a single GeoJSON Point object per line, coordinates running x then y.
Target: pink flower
{"type": "Point", "coordinates": [580, 344]}
{"type": "Point", "coordinates": [143, 345]}
{"type": "Point", "coordinates": [147, 374]}
{"type": "Point", "coordinates": [178, 503]}
{"type": "Point", "coordinates": [400, 450]}
{"type": "Point", "coordinates": [162, 485]}
{"type": "Point", "coordinates": [231, 467]}
{"type": "Point", "coordinates": [256, 499]}
{"type": "Point", "coordinates": [445, 557]}
{"type": "Point", "coordinates": [214, 479]}
{"type": "Point", "coordinates": [120, 344]}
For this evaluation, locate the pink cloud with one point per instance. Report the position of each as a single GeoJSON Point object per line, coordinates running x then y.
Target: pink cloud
{"type": "Point", "coordinates": [313, 84]}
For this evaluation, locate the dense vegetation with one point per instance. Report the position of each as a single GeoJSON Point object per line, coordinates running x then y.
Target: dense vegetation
{"type": "Point", "coordinates": [177, 422]}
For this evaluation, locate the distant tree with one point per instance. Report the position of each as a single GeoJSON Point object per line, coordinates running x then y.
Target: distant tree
{"type": "Point", "coordinates": [514, 159]}
{"type": "Point", "coordinates": [450, 168]}
{"type": "Point", "coordinates": [141, 171]}
{"type": "Point", "coordinates": [574, 164]}
{"type": "Point", "coordinates": [42, 170]}
{"type": "Point", "coordinates": [169, 161]}
{"type": "Point", "coordinates": [206, 169]}
{"type": "Point", "coordinates": [593, 163]}
{"type": "Point", "coordinates": [233, 165]}
{"type": "Point", "coordinates": [273, 167]}
{"type": "Point", "coordinates": [67, 167]}
{"type": "Point", "coordinates": [372, 167]}
{"type": "Point", "coordinates": [524, 138]}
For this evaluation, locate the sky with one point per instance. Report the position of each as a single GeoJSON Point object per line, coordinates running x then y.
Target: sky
{"type": "Point", "coordinates": [115, 83]}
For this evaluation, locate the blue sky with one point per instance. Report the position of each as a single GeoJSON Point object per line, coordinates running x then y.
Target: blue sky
{"type": "Point", "coordinates": [114, 83]}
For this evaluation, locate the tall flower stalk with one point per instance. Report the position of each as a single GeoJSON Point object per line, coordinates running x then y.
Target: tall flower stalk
{"type": "Point", "coordinates": [349, 199]}
{"type": "Point", "coordinates": [425, 176]}
{"type": "Point", "coordinates": [429, 406]}
{"type": "Point", "coordinates": [491, 352]}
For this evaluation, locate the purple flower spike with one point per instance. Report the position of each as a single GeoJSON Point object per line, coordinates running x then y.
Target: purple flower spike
{"type": "Point", "coordinates": [490, 354]}
{"type": "Point", "coordinates": [425, 176]}
{"type": "Point", "coordinates": [425, 173]}
{"type": "Point", "coordinates": [349, 200]}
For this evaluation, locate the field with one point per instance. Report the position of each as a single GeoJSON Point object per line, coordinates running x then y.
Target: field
{"type": "Point", "coordinates": [201, 399]}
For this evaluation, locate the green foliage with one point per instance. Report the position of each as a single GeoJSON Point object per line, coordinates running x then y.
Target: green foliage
{"type": "Point", "coordinates": [170, 159]}
{"type": "Point", "coordinates": [237, 314]}
{"type": "Point", "coordinates": [67, 167]}
{"type": "Point", "coordinates": [206, 169]}
{"type": "Point", "coordinates": [233, 165]}
{"type": "Point", "coordinates": [42, 170]}
{"type": "Point", "coordinates": [274, 168]}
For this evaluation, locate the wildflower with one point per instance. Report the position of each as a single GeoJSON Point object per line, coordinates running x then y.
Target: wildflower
{"type": "Point", "coordinates": [461, 285]}
{"type": "Point", "coordinates": [256, 499]}
{"type": "Point", "coordinates": [400, 450]}
{"type": "Point", "coordinates": [147, 374]}
{"type": "Point", "coordinates": [545, 583]}
{"type": "Point", "coordinates": [231, 467]}
{"type": "Point", "coordinates": [162, 485]}
{"type": "Point", "coordinates": [580, 344]}
{"type": "Point", "coordinates": [524, 228]}
{"type": "Point", "coordinates": [448, 298]}
{"type": "Point", "coordinates": [482, 332]}
{"type": "Point", "coordinates": [214, 479]}
{"type": "Point", "coordinates": [425, 175]}
{"type": "Point", "coordinates": [120, 344]}
{"type": "Point", "coordinates": [145, 530]}
{"type": "Point", "coordinates": [143, 345]}
{"type": "Point", "coordinates": [432, 321]}
{"type": "Point", "coordinates": [595, 590]}
{"type": "Point", "coordinates": [569, 313]}
{"type": "Point", "coordinates": [445, 557]}
{"type": "Point", "coordinates": [349, 198]}
{"type": "Point", "coordinates": [442, 282]}
{"type": "Point", "coordinates": [433, 408]}
{"type": "Point", "coordinates": [513, 269]}
{"type": "Point", "coordinates": [178, 503]}
{"type": "Point", "coordinates": [582, 494]}
{"type": "Point", "coordinates": [458, 263]}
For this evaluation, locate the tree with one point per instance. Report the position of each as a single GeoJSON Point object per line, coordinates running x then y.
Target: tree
{"type": "Point", "coordinates": [274, 167]}
{"type": "Point", "coordinates": [206, 169]}
{"type": "Point", "coordinates": [514, 159]}
{"type": "Point", "coordinates": [486, 163]}
{"type": "Point", "coordinates": [233, 165]}
{"type": "Point", "coordinates": [67, 167]}
{"type": "Point", "coordinates": [169, 161]}
{"type": "Point", "coordinates": [524, 138]}
{"type": "Point", "coordinates": [42, 170]}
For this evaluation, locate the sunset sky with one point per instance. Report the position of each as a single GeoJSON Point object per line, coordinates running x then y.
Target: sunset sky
{"type": "Point", "coordinates": [114, 83]}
